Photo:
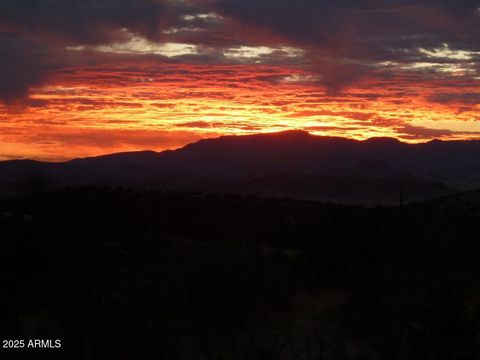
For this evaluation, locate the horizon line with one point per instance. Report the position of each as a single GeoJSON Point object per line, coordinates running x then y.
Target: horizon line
{"type": "Point", "coordinates": [265, 134]}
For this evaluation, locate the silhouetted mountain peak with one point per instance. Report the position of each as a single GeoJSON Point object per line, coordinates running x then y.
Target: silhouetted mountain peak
{"type": "Point", "coordinates": [236, 139]}
{"type": "Point", "coordinates": [122, 156]}
{"type": "Point", "coordinates": [385, 141]}
{"type": "Point", "coordinates": [285, 142]}
{"type": "Point", "coordinates": [221, 163]}
{"type": "Point", "coordinates": [290, 134]}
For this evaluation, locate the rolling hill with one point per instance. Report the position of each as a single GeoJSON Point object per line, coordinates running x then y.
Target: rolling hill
{"type": "Point", "coordinates": [291, 163]}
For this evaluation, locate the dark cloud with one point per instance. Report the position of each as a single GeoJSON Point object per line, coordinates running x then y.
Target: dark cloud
{"type": "Point", "coordinates": [83, 21]}
{"type": "Point", "coordinates": [196, 124]}
{"type": "Point", "coordinates": [413, 132]}
{"type": "Point", "coordinates": [456, 98]}
{"type": "Point", "coordinates": [344, 41]}
{"type": "Point", "coordinates": [22, 65]}
{"type": "Point", "coordinates": [331, 128]}
{"type": "Point", "coordinates": [34, 34]}
{"type": "Point", "coordinates": [343, 22]}
{"type": "Point", "coordinates": [347, 39]}
{"type": "Point", "coordinates": [421, 132]}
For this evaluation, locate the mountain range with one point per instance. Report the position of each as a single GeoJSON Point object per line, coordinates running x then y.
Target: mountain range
{"type": "Point", "coordinates": [287, 164]}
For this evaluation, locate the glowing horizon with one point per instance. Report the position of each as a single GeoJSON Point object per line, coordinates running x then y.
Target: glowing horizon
{"type": "Point", "coordinates": [215, 71]}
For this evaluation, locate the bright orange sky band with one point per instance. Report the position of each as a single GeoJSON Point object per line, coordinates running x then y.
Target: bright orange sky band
{"type": "Point", "coordinates": [96, 110]}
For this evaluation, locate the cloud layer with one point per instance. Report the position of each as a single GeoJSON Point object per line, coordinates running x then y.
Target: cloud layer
{"type": "Point", "coordinates": [355, 68]}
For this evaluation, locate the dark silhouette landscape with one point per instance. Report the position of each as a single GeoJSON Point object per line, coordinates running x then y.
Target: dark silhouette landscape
{"type": "Point", "coordinates": [209, 252]}
{"type": "Point", "coordinates": [125, 274]}
{"type": "Point", "coordinates": [292, 163]}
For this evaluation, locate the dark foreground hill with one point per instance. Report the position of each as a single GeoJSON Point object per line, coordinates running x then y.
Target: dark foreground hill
{"type": "Point", "coordinates": [140, 275]}
{"type": "Point", "coordinates": [292, 163]}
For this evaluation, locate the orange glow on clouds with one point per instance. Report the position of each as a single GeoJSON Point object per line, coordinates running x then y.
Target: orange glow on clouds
{"type": "Point", "coordinates": [155, 105]}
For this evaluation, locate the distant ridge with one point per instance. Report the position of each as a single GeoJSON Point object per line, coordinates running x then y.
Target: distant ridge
{"type": "Point", "coordinates": [309, 166]}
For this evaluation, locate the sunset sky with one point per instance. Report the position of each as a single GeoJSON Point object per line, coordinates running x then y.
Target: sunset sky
{"type": "Point", "coordinates": [89, 77]}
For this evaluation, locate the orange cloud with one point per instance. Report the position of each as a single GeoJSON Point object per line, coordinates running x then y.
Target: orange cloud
{"type": "Point", "coordinates": [152, 104]}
